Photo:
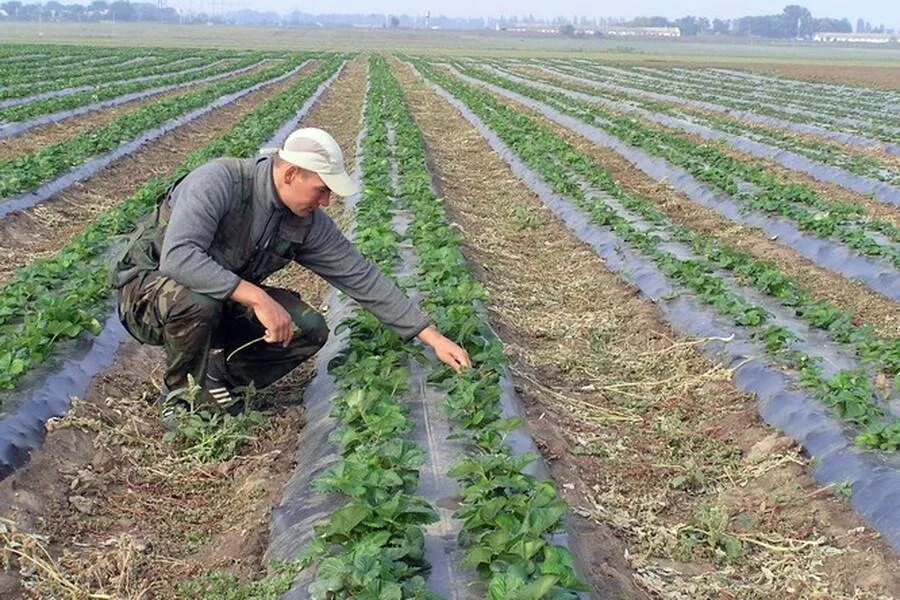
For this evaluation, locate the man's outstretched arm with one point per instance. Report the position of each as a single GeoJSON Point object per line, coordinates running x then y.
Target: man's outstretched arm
{"type": "Point", "coordinates": [328, 253]}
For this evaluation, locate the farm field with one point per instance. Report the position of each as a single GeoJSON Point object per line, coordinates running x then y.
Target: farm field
{"type": "Point", "coordinates": [679, 285]}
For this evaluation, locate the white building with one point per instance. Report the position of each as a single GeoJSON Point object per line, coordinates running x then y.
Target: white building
{"type": "Point", "coordinates": [855, 38]}
{"type": "Point", "coordinates": [644, 31]}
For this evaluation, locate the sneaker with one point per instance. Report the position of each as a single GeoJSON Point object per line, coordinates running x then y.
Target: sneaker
{"type": "Point", "coordinates": [218, 386]}
{"type": "Point", "coordinates": [171, 405]}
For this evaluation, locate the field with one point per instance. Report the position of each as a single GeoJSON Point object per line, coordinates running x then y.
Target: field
{"type": "Point", "coordinates": [676, 268]}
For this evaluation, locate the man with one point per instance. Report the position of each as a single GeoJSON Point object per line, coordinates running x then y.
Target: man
{"type": "Point", "coordinates": [191, 280]}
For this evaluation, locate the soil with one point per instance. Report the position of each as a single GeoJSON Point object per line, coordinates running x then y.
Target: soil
{"type": "Point", "coordinates": [867, 306]}
{"type": "Point", "coordinates": [108, 506]}
{"type": "Point", "coordinates": [43, 229]}
{"type": "Point", "coordinates": [661, 458]}
{"type": "Point", "coordinates": [40, 137]}
{"type": "Point", "coordinates": [879, 77]}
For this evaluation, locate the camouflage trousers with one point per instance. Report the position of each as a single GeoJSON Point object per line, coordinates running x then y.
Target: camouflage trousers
{"type": "Point", "coordinates": [159, 311]}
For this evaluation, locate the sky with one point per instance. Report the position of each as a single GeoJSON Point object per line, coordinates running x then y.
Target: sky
{"type": "Point", "coordinates": [874, 11]}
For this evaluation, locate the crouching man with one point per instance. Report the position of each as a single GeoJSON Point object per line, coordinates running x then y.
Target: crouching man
{"type": "Point", "coordinates": [190, 278]}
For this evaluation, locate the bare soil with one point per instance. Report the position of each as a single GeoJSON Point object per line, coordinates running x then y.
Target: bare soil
{"type": "Point", "coordinates": [43, 229]}
{"type": "Point", "coordinates": [867, 306]}
{"type": "Point", "coordinates": [663, 461]}
{"type": "Point", "coordinates": [35, 139]}
{"type": "Point", "coordinates": [107, 506]}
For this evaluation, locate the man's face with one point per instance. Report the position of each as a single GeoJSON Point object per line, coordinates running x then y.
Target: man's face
{"type": "Point", "coordinates": [303, 191]}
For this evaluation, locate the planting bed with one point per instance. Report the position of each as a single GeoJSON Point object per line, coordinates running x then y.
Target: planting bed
{"type": "Point", "coordinates": [681, 311]}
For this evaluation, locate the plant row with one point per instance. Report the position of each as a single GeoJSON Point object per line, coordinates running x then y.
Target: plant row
{"type": "Point", "coordinates": [34, 74]}
{"type": "Point", "coordinates": [70, 101]}
{"type": "Point", "coordinates": [772, 93]}
{"type": "Point", "coordinates": [374, 545]}
{"type": "Point", "coordinates": [508, 517]}
{"type": "Point", "coordinates": [113, 73]}
{"type": "Point", "coordinates": [27, 171]}
{"type": "Point", "coordinates": [850, 393]}
{"type": "Point", "coordinates": [757, 107]}
{"type": "Point", "coordinates": [60, 63]}
{"type": "Point", "coordinates": [818, 150]}
{"type": "Point", "coordinates": [64, 295]}
{"type": "Point", "coordinates": [842, 221]}
{"type": "Point", "coordinates": [875, 97]}
{"type": "Point", "coordinates": [858, 102]}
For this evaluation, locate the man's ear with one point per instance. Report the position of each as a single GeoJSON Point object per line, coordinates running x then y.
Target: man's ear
{"type": "Point", "coordinates": [289, 173]}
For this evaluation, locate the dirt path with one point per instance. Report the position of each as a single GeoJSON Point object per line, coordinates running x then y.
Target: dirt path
{"type": "Point", "coordinates": [119, 511]}
{"type": "Point", "coordinates": [43, 229]}
{"type": "Point", "coordinates": [678, 488]}
{"type": "Point", "coordinates": [868, 307]}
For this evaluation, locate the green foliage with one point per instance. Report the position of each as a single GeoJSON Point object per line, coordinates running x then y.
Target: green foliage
{"type": "Point", "coordinates": [209, 435]}
{"type": "Point", "coordinates": [219, 585]}
{"type": "Point", "coordinates": [64, 295]}
{"type": "Point", "coordinates": [27, 171]}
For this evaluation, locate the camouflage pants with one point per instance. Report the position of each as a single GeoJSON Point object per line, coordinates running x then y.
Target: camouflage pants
{"type": "Point", "coordinates": [159, 311]}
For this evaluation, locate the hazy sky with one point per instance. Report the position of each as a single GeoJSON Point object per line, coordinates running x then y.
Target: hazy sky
{"type": "Point", "coordinates": [875, 11]}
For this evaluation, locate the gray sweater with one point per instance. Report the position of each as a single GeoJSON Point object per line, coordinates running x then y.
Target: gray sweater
{"type": "Point", "coordinates": [215, 237]}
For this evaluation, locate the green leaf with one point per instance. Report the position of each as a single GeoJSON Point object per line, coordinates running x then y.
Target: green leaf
{"type": "Point", "coordinates": [345, 519]}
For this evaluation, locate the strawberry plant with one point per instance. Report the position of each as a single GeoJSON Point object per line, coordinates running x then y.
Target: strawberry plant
{"type": "Point", "coordinates": [509, 517]}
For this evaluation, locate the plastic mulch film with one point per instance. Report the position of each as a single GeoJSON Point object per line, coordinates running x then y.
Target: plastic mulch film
{"type": "Point", "coordinates": [834, 256]}
{"type": "Point", "coordinates": [761, 98]}
{"type": "Point", "coordinates": [74, 90]}
{"type": "Point", "coordinates": [879, 190]}
{"type": "Point", "coordinates": [18, 127]}
{"type": "Point", "coordinates": [840, 136]}
{"type": "Point", "coordinates": [293, 520]}
{"type": "Point", "coordinates": [874, 476]}
{"type": "Point", "coordinates": [45, 393]}
{"type": "Point", "coordinates": [92, 166]}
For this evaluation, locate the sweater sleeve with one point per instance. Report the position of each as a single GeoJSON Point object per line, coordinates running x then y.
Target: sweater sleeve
{"type": "Point", "coordinates": [198, 205]}
{"type": "Point", "coordinates": [328, 253]}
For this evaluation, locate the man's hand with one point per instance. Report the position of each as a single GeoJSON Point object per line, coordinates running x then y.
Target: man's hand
{"type": "Point", "coordinates": [447, 351]}
{"type": "Point", "coordinates": [270, 313]}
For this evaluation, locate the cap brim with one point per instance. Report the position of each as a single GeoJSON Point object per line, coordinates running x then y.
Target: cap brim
{"type": "Point", "coordinates": [340, 183]}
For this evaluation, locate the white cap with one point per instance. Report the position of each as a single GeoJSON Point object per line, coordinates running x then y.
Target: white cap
{"type": "Point", "coordinates": [313, 149]}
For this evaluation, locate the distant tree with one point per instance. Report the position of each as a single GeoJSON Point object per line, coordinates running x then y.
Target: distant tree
{"type": "Point", "coordinates": [860, 25]}
{"type": "Point", "coordinates": [13, 9]}
{"type": "Point", "coordinates": [567, 29]}
{"type": "Point", "coordinates": [798, 21]}
{"type": "Point", "coordinates": [395, 22]}
{"type": "Point", "coordinates": [692, 25]}
{"type": "Point", "coordinates": [827, 24]}
{"type": "Point", "coordinates": [55, 10]}
{"type": "Point", "coordinates": [721, 27]}
{"type": "Point", "coordinates": [649, 22]}
{"type": "Point", "coordinates": [122, 11]}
